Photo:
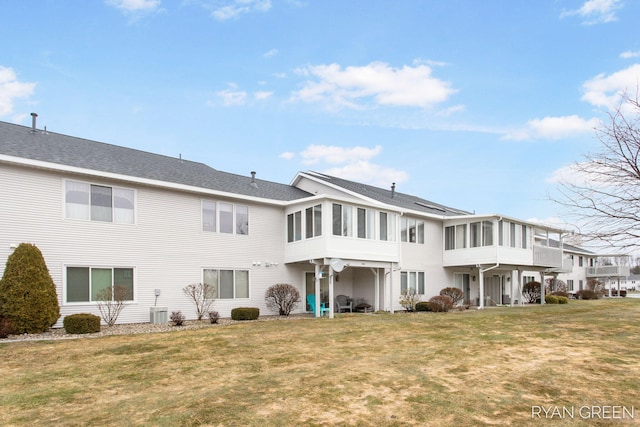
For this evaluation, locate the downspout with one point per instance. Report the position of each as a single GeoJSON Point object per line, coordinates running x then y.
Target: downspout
{"type": "Point", "coordinates": [481, 272]}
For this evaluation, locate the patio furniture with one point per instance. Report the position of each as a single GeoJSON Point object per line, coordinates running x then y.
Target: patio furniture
{"type": "Point", "coordinates": [311, 300]}
{"type": "Point", "coordinates": [343, 302]}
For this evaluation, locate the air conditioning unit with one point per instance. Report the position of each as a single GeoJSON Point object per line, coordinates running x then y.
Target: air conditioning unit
{"type": "Point", "coordinates": [158, 315]}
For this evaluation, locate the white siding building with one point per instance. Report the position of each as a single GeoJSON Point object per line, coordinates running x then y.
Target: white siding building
{"type": "Point", "coordinates": [105, 215]}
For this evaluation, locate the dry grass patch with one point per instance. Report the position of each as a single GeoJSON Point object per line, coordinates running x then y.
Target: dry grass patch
{"type": "Point", "coordinates": [457, 368]}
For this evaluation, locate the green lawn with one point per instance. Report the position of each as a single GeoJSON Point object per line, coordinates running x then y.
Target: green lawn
{"type": "Point", "coordinates": [461, 368]}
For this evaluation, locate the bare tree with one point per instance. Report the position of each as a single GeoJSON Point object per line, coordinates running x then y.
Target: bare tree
{"type": "Point", "coordinates": [282, 298]}
{"type": "Point", "coordinates": [202, 295]}
{"type": "Point", "coordinates": [111, 301]}
{"type": "Point", "coordinates": [605, 200]}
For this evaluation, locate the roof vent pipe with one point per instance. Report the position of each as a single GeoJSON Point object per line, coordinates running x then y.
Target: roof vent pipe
{"type": "Point", "coordinates": [253, 180]}
{"type": "Point", "coordinates": [33, 122]}
{"type": "Point", "coordinates": [393, 189]}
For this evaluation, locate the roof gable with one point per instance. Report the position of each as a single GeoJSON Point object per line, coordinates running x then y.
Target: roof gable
{"type": "Point", "coordinates": [389, 197]}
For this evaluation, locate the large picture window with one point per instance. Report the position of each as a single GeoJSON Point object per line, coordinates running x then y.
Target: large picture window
{"type": "Point", "coordinates": [84, 284]}
{"type": "Point", "coordinates": [227, 284]}
{"type": "Point", "coordinates": [99, 203]}
{"type": "Point", "coordinates": [411, 230]}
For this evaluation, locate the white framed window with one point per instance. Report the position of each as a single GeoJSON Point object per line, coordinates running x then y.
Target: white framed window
{"type": "Point", "coordinates": [412, 280]}
{"type": "Point", "coordinates": [313, 221]}
{"type": "Point", "coordinates": [227, 284]}
{"type": "Point", "coordinates": [411, 230]}
{"type": "Point", "coordinates": [86, 284]}
{"type": "Point", "coordinates": [342, 220]}
{"type": "Point", "coordinates": [99, 203]}
{"type": "Point", "coordinates": [224, 217]}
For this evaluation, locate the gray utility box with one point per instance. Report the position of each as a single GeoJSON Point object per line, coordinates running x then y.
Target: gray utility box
{"type": "Point", "coordinates": [158, 315]}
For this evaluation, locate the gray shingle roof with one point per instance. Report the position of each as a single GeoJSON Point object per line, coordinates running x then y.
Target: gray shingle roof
{"type": "Point", "coordinates": [401, 200]}
{"type": "Point", "coordinates": [21, 141]}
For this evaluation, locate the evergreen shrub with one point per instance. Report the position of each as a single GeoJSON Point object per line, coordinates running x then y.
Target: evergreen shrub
{"type": "Point", "coordinates": [245, 313]}
{"type": "Point", "coordinates": [81, 323]}
{"type": "Point", "coordinates": [28, 298]}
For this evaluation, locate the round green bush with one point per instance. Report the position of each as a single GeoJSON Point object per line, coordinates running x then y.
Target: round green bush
{"type": "Point", "coordinates": [563, 300]}
{"type": "Point", "coordinates": [28, 298]}
{"type": "Point", "coordinates": [551, 299]}
{"type": "Point", "coordinates": [423, 306]}
{"type": "Point", "coordinates": [245, 313]}
{"type": "Point", "coordinates": [81, 323]}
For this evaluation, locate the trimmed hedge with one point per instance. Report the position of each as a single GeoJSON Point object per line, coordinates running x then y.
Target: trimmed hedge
{"type": "Point", "coordinates": [563, 300]}
{"type": "Point", "coordinates": [81, 323]}
{"type": "Point", "coordinates": [551, 299]}
{"type": "Point", "coordinates": [423, 306]}
{"type": "Point", "coordinates": [245, 313]}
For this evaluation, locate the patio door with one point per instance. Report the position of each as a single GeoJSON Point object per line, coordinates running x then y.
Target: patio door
{"type": "Point", "coordinates": [461, 281]}
{"type": "Point", "coordinates": [310, 288]}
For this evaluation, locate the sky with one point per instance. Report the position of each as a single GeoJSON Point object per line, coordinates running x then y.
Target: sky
{"type": "Point", "coordinates": [477, 105]}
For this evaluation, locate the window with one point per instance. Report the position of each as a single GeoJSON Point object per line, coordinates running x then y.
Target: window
{"type": "Point", "coordinates": [449, 238]}
{"type": "Point", "coordinates": [85, 283]}
{"type": "Point", "coordinates": [342, 220]}
{"type": "Point", "coordinates": [362, 223]}
{"type": "Point", "coordinates": [227, 284]}
{"type": "Point", "coordinates": [225, 217]}
{"type": "Point", "coordinates": [412, 280]}
{"type": "Point", "coordinates": [512, 228]}
{"type": "Point", "coordinates": [294, 227]}
{"type": "Point", "coordinates": [366, 223]}
{"type": "Point", "coordinates": [580, 261]}
{"type": "Point", "coordinates": [461, 236]}
{"type": "Point", "coordinates": [570, 285]}
{"type": "Point", "coordinates": [487, 233]}
{"type": "Point", "coordinates": [501, 233]}
{"type": "Point", "coordinates": [383, 226]}
{"type": "Point", "coordinates": [99, 203]}
{"type": "Point", "coordinates": [476, 232]}
{"type": "Point", "coordinates": [208, 215]}
{"type": "Point", "coordinates": [411, 230]}
{"type": "Point", "coordinates": [524, 236]}
{"type": "Point", "coordinates": [313, 220]}
{"type": "Point", "coordinates": [242, 219]}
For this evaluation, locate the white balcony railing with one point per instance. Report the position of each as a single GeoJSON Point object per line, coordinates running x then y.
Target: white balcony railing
{"type": "Point", "coordinates": [609, 271]}
{"type": "Point", "coordinates": [545, 256]}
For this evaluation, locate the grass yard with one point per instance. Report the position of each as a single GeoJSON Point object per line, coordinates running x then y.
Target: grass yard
{"type": "Point", "coordinates": [464, 368]}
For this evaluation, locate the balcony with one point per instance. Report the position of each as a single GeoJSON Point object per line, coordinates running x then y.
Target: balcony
{"type": "Point", "coordinates": [609, 271]}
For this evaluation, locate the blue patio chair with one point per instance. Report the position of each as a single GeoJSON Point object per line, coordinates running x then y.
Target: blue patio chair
{"type": "Point", "coordinates": [311, 300]}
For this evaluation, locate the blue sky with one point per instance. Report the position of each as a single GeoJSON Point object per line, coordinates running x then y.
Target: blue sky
{"type": "Point", "coordinates": [478, 105]}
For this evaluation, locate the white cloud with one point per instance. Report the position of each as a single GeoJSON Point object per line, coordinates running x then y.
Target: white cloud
{"type": "Point", "coordinates": [369, 173]}
{"type": "Point", "coordinates": [232, 97]}
{"type": "Point", "coordinates": [630, 54]}
{"type": "Point", "coordinates": [596, 11]}
{"type": "Point", "coordinates": [271, 53]}
{"type": "Point", "coordinates": [287, 155]}
{"type": "Point", "coordinates": [376, 82]}
{"type": "Point", "coordinates": [605, 91]}
{"type": "Point", "coordinates": [554, 128]}
{"type": "Point", "coordinates": [335, 155]}
{"type": "Point", "coordinates": [262, 95]}
{"type": "Point", "coordinates": [351, 163]}
{"type": "Point", "coordinates": [12, 89]}
{"type": "Point", "coordinates": [236, 8]}
{"type": "Point", "coordinates": [135, 5]}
